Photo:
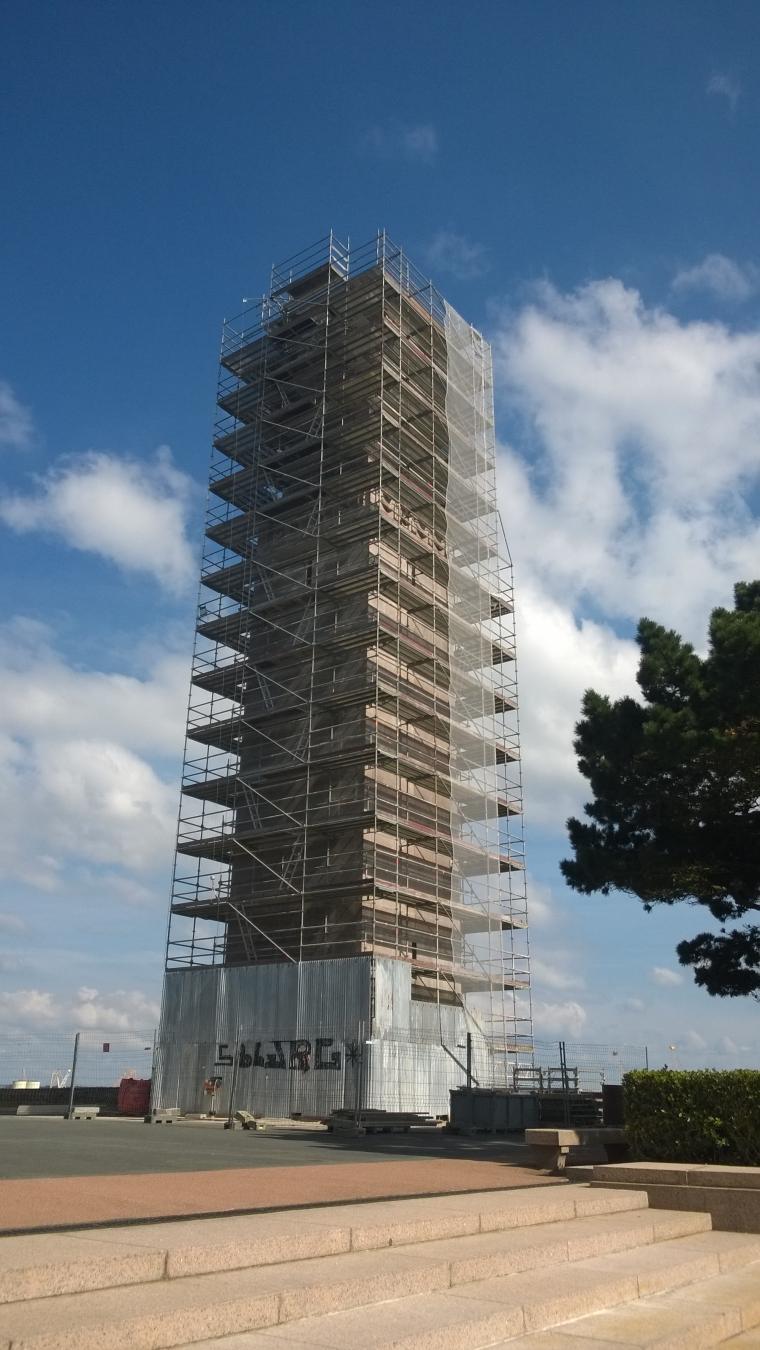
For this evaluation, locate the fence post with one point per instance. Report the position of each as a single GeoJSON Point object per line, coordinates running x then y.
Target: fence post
{"type": "Point", "coordinates": [358, 1076]}
{"type": "Point", "coordinates": [565, 1083]}
{"type": "Point", "coordinates": [469, 1059]}
{"type": "Point", "coordinates": [229, 1124]}
{"type": "Point", "coordinates": [152, 1094]}
{"type": "Point", "coordinates": [70, 1112]}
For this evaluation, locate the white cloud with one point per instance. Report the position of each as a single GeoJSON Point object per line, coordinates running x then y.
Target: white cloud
{"type": "Point", "coordinates": [452, 253]}
{"type": "Point", "coordinates": [627, 491]}
{"type": "Point", "coordinates": [28, 1007]}
{"type": "Point", "coordinates": [559, 1019]}
{"type": "Point", "coordinates": [120, 1010]}
{"type": "Point", "coordinates": [131, 512]}
{"type": "Point", "coordinates": [45, 698]}
{"type": "Point", "coordinates": [694, 1041]}
{"type": "Point", "coordinates": [559, 658]}
{"type": "Point", "coordinates": [85, 1010]}
{"type": "Point", "coordinates": [556, 970]}
{"type": "Point", "coordinates": [417, 141]}
{"type": "Point", "coordinates": [727, 1048]}
{"type": "Point", "coordinates": [640, 436]}
{"type": "Point", "coordinates": [89, 800]}
{"type": "Point", "coordinates": [667, 978]}
{"type": "Point", "coordinates": [725, 86]}
{"type": "Point", "coordinates": [15, 420]}
{"type": "Point", "coordinates": [542, 907]}
{"type": "Point", "coordinates": [721, 277]}
{"type": "Point", "coordinates": [75, 786]}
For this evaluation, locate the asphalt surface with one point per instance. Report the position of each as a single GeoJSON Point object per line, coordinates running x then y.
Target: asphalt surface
{"type": "Point", "coordinates": [38, 1146]}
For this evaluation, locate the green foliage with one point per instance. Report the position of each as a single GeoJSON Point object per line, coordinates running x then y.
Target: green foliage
{"type": "Point", "coordinates": [698, 1116]}
{"type": "Point", "coordinates": [675, 777]}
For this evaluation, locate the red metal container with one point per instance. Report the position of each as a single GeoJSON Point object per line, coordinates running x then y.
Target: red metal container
{"type": "Point", "coordinates": [133, 1097]}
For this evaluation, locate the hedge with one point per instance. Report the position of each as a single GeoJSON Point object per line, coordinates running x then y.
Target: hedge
{"type": "Point", "coordinates": [696, 1116]}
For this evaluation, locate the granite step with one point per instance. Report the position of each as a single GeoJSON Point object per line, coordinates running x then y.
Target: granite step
{"type": "Point", "coordinates": [603, 1302]}
{"type": "Point", "coordinates": [721, 1310]}
{"type": "Point", "coordinates": [47, 1265]}
{"type": "Point", "coordinates": [191, 1308]}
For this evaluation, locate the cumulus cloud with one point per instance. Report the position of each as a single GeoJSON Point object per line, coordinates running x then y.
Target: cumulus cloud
{"type": "Point", "coordinates": [542, 906]}
{"type": "Point", "coordinates": [667, 978]}
{"type": "Point", "coordinates": [86, 1010]}
{"type": "Point", "coordinates": [121, 1010]}
{"type": "Point", "coordinates": [639, 433]}
{"type": "Point", "coordinates": [726, 86]}
{"type": "Point", "coordinates": [131, 512]}
{"type": "Point", "coordinates": [457, 256]}
{"type": "Point", "coordinates": [27, 1007]}
{"type": "Point", "coordinates": [721, 277]}
{"type": "Point", "coordinates": [81, 799]}
{"type": "Point", "coordinates": [566, 1019]}
{"type": "Point", "coordinates": [15, 420]}
{"type": "Point", "coordinates": [556, 970]}
{"type": "Point", "coordinates": [694, 1041]}
{"type": "Point", "coordinates": [628, 487]}
{"type": "Point", "coordinates": [560, 657]}
{"type": "Point", "coordinates": [416, 141]}
{"type": "Point", "coordinates": [45, 698]}
{"type": "Point", "coordinates": [75, 783]}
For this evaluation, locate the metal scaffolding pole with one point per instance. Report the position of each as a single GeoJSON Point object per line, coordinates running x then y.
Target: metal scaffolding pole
{"type": "Point", "coordinates": [352, 780]}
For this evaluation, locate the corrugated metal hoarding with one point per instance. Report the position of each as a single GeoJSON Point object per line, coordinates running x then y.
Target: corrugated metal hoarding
{"type": "Point", "coordinates": [308, 1039]}
{"type": "Point", "coordinates": [293, 1029]}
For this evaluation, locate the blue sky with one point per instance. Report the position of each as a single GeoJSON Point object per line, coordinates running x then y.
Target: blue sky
{"type": "Point", "coordinates": [580, 180]}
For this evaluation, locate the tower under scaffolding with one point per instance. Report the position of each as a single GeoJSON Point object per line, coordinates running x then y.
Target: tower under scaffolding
{"type": "Point", "coordinates": [351, 790]}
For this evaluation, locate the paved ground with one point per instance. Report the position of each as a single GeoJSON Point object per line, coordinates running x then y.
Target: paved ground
{"type": "Point", "coordinates": [39, 1146]}
{"type": "Point", "coordinates": [68, 1173]}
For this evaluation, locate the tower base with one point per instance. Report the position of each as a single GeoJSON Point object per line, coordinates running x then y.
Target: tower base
{"type": "Point", "coordinates": [308, 1039]}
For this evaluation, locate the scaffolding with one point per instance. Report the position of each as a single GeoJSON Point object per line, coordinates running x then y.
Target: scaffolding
{"type": "Point", "coordinates": [352, 772]}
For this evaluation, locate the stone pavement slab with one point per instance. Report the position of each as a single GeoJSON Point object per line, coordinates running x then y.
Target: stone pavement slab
{"type": "Point", "coordinates": [68, 1202]}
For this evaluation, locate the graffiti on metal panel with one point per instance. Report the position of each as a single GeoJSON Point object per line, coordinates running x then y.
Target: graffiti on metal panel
{"type": "Point", "coordinates": [275, 1054]}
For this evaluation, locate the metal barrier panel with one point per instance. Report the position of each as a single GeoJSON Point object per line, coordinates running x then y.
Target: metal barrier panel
{"type": "Point", "coordinates": [249, 1052]}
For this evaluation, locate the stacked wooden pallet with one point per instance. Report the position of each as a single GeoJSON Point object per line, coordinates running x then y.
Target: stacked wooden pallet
{"type": "Point", "coordinates": [377, 1122]}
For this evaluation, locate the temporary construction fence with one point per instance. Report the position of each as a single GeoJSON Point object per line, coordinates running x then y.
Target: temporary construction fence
{"type": "Point", "coordinates": [295, 1075]}
{"type": "Point", "coordinates": [46, 1060]}
{"type": "Point", "coordinates": [310, 1075]}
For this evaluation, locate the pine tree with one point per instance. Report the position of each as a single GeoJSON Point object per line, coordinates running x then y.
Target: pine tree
{"type": "Point", "coordinates": [675, 778]}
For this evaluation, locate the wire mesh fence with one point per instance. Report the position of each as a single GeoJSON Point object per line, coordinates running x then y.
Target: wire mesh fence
{"type": "Point", "coordinates": [45, 1061]}
{"type": "Point", "coordinates": [291, 1074]}
{"type": "Point", "coordinates": [580, 1066]}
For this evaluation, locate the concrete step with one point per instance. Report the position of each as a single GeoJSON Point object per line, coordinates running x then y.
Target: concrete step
{"type": "Point", "coordinates": [47, 1265]}
{"type": "Point", "coordinates": [595, 1303]}
{"type": "Point", "coordinates": [183, 1310]}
